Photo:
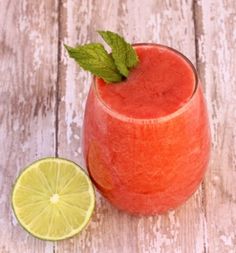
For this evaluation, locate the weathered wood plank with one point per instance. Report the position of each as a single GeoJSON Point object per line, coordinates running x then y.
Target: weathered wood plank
{"type": "Point", "coordinates": [167, 22]}
{"type": "Point", "coordinates": [216, 34]}
{"type": "Point", "coordinates": [28, 72]}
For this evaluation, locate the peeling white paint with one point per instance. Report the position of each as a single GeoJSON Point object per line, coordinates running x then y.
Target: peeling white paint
{"type": "Point", "coordinates": [217, 49]}
{"type": "Point", "coordinates": [38, 47]}
{"type": "Point", "coordinates": [227, 240]}
{"type": "Point", "coordinates": [75, 76]}
{"type": "Point", "coordinates": [167, 22]}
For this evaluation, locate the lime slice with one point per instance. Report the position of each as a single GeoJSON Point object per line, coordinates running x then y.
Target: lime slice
{"type": "Point", "coordinates": [53, 199]}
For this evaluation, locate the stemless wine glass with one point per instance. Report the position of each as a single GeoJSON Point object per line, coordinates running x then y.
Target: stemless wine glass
{"type": "Point", "coordinates": [147, 166]}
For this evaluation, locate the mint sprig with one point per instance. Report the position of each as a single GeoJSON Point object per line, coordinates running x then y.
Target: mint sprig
{"type": "Point", "coordinates": [110, 67]}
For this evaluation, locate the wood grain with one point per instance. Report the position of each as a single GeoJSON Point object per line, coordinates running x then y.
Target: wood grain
{"type": "Point", "coordinates": [42, 105]}
{"type": "Point", "coordinates": [28, 72]}
{"type": "Point", "coordinates": [216, 37]}
{"type": "Point", "coordinates": [167, 22]}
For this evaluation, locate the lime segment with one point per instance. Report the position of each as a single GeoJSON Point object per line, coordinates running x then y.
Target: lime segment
{"type": "Point", "coordinates": [53, 199]}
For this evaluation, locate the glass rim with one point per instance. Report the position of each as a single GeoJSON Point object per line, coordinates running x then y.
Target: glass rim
{"type": "Point", "coordinates": [167, 117]}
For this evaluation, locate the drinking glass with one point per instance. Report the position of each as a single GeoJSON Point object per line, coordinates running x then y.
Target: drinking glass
{"type": "Point", "coordinates": [147, 166]}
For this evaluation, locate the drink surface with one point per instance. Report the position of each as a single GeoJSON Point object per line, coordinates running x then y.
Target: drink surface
{"type": "Point", "coordinates": [161, 83]}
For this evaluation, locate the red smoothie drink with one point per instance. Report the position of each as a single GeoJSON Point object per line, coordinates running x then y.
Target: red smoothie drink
{"type": "Point", "coordinates": [146, 139]}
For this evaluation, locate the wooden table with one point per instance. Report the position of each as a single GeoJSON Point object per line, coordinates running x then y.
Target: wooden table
{"type": "Point", "coordinates": [42, 100]}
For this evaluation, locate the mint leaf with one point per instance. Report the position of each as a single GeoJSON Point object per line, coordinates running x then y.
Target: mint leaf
{"type": "Point", "coordinates": [110, 67]}
{"type": "Point", "coordinates": [94, 58]}
{"type": "Point", "coordinates": [123, 53]}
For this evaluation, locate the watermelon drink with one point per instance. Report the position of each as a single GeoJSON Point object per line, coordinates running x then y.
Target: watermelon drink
{"type": "Point", "coordinates": [146, 139]}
